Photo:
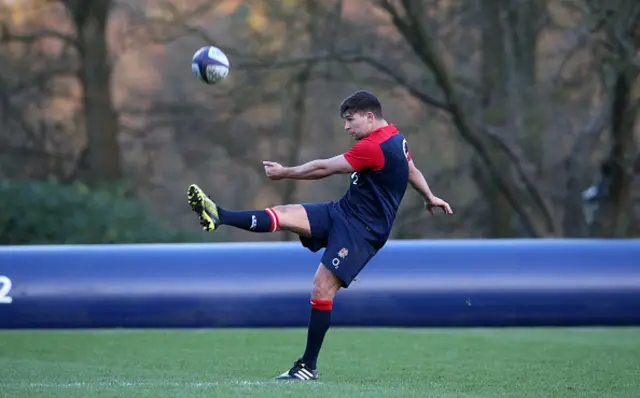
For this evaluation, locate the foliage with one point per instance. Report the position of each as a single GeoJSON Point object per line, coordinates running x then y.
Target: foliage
{"type": "Point", "coordinates": [34, 212]}
{"type": "Point", "coordinates": [512, 108]}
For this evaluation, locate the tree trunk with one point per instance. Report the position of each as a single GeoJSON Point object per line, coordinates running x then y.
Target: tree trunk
{"type": "Point", "coordinates": [495, 104]}
{"type": "Point", "coordinates": [522, 22]}
{"type": "Point", "coordinates": [101, 120]}
{"type": "Point", "coordinates": [618, 169]}
{"type": "Point", "coordinates": [297, 129]}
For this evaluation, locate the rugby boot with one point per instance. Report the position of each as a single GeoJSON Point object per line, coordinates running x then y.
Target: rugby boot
{"type": "Point", "coordinates": [300, 371]}
{"type": "Point", "coordinates": [204, 207]}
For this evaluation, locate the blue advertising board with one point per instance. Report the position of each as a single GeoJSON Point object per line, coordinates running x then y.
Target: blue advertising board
{"type": "Point", "coordinates": [409, 284]}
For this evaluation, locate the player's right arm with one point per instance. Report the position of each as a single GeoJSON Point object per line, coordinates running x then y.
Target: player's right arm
{"type": "Point", "coordinates": [313, 170]}
{"type": "Point", "coordinates": [363, 155]}
{"type": "Point", "coordinates": [419, 183]}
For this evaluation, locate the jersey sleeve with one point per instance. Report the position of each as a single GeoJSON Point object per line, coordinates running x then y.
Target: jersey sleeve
{"type": "Point", "coordinates": [406, 150]}
{"type": "Point", "coordinates": [365, 155]}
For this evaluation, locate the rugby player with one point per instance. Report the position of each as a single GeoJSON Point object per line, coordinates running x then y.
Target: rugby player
{"type": "Point", "coordinates": [352, 229]}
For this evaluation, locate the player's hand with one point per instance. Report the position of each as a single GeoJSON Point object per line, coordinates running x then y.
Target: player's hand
{"type": "Point", "coordinates": [435, 202]}
{"type": "Point", "coordinates": [273, 170]}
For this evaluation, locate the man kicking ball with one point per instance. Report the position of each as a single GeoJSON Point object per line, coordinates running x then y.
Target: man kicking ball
{"type": "Point", "coordinates": [352, 229]}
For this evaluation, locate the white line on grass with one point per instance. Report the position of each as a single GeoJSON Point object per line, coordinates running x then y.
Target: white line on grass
{"type": "Point", "coordinates": [135, 384]}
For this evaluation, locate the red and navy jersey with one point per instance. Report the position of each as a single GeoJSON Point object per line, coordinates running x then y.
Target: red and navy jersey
{"type": "Point", "coordinates": [381, 161]}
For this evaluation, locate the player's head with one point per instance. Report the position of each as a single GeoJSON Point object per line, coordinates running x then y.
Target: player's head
{"type": "Point", "coordinates": [362, 113]}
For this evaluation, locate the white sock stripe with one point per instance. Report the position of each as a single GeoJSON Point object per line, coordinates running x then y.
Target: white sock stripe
{"type": "Point", "coordinates": [274, 219]}
{"type": "Point", "coordinates": [270, 213]}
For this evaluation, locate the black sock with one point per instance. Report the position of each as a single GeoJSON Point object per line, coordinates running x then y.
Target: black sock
{"type": "Point", "coordinates": [250, 220]}
{"type": "Point", "coordinates": [319, 322]}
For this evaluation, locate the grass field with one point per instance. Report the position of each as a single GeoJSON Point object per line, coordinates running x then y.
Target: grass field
{"type": "Point", "coordinates": [355, 363]}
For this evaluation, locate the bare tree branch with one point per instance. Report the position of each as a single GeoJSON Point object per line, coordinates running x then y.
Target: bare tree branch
{"type": "Point", "coordinates": [516, 157]}
{"type": "Point", "coordinates": [6, 36]}
{"type": "Point", "coordinates": [177, 27]}
{"type": "Point", "coordinates": [595, 125]}
{"type": "Point", "coordinates": [245, 61]}
{"type": "Point", "coordinates": [413, 30]}
{"type": "Point", "coordinates": [39, 79]}
{"type": "Point", "coordinates": [581, 44]}
{"type": "Point", "coordinates": [354, 57]}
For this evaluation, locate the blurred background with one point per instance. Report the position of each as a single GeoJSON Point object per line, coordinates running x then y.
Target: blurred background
{"type": "Point", "coordinates": [522, 114]}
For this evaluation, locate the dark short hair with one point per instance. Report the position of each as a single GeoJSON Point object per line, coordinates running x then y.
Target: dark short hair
{"type": "Point", "coordinates": [361, 101]}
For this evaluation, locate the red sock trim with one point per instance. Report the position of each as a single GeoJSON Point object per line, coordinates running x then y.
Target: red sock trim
{"type": "Point", "coordinates": [275, 222]}
{"type": "Point", "coordinates": [322, 305]}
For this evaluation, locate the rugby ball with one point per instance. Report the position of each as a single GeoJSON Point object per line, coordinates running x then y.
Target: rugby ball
{"type": "Point", "coordinates": [210, 65]}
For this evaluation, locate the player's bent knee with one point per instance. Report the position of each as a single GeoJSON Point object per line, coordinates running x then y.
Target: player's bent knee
{"type": "Point", "coordinates": [289, 211]}
{"type": "Point", "coordinates": [293, 218]}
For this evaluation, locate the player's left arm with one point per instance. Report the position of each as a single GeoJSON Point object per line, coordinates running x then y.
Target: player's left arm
{"type": "Point", "coordinates": [419, 183]}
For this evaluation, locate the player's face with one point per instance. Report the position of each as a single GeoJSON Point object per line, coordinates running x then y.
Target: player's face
{"type": "Point", "coordinates": [359, 124]}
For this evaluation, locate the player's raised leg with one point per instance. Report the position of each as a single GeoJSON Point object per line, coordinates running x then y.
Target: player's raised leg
{"type": "Point", "coordinates": [288, 217]}
{"type": "Point", "coordinates": [325, 287]}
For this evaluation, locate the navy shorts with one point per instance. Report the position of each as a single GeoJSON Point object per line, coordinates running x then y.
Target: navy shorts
{"type": "Point", "coordinates": [346, 250]}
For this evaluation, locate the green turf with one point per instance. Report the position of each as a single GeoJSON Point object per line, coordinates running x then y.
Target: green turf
{"type": "Point", "coordinates": [354, 363]}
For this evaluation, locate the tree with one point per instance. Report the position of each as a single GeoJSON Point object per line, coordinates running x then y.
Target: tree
{"type": "Point", "coordinates": [516, 185]}
{"type": "Point", "coordinates": [614, 31]}
{"type": "Point", "coordinates": [100, 161]}
{"type": "Point", "coordinates": [509, 150]}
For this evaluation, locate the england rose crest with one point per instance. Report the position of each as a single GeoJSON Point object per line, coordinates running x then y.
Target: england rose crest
{"type": "Point", "coordinates": [343, 253]}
